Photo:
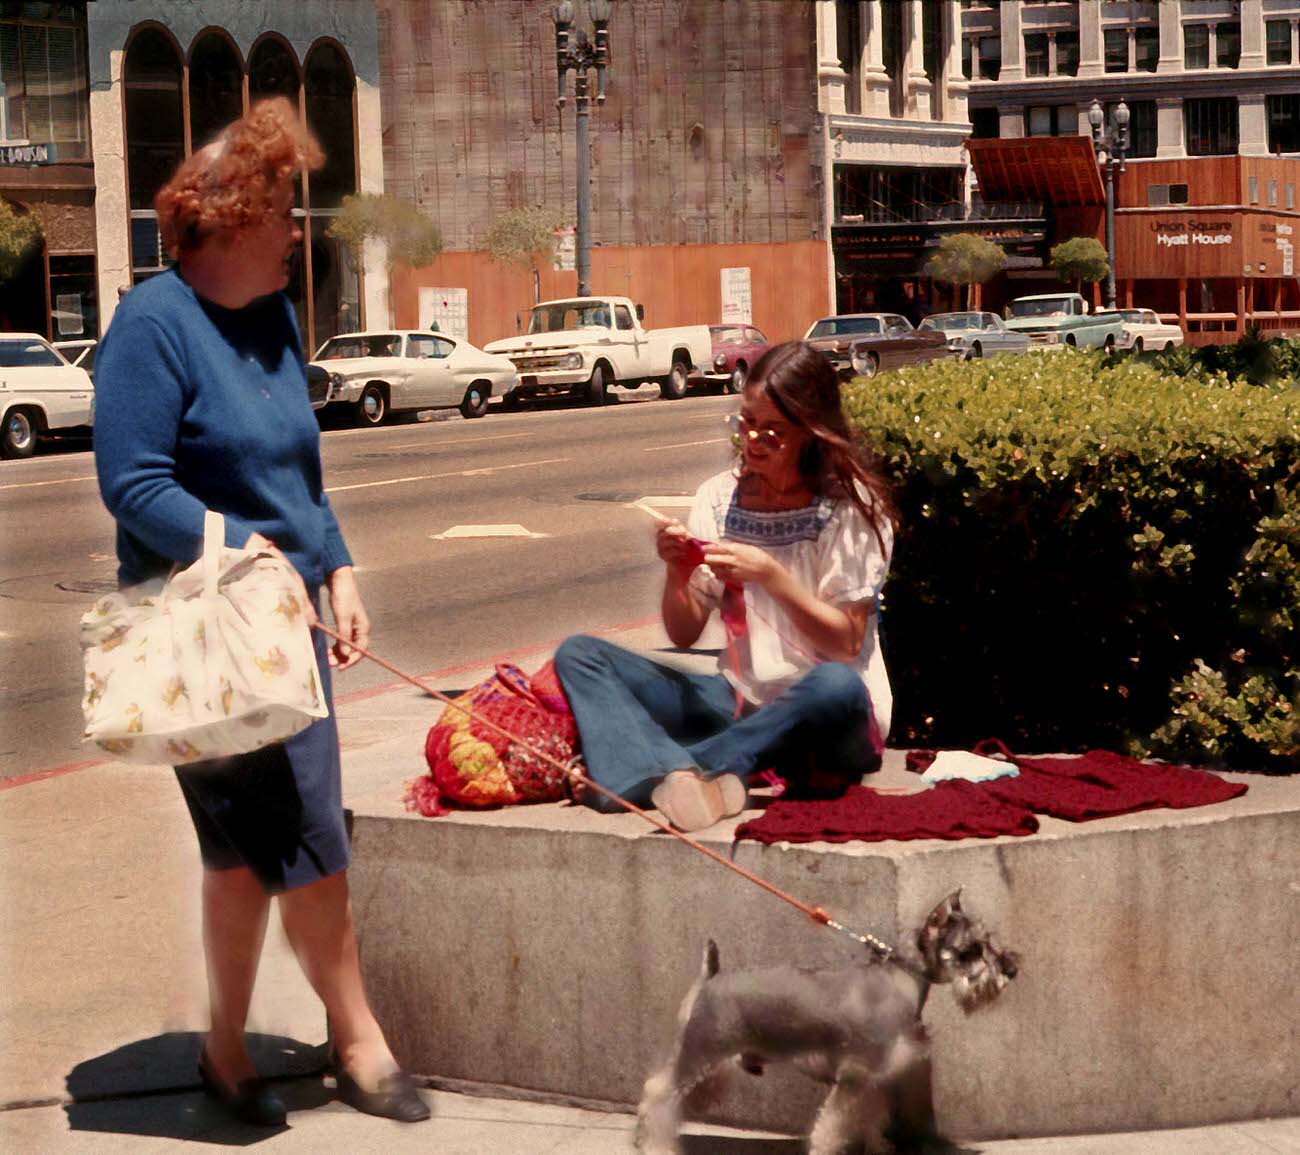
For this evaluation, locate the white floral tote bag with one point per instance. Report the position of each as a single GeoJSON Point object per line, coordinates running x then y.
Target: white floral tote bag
{"type": "Point", "coordinates": [219, 661]}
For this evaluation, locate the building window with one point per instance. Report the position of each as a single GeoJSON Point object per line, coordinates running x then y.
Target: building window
{"type": "Point", "coordinates": [1272, 193]}
{"type": "Point", "coordinates": [1211, 125]}
{"type": "Point", "coordinates": [1146, 48]}
{"type": "Point", "coordinates": [1036, 46]}
{"type": "Point", "coordinates": [216, 87]}
{"type": "Point", "coordinates": [1141, 127]}
{"type": "Point", "coordinates": [155, 139]}
{"type": "Point", "coordinates": [1116, 49]}
{"type": "Point", "coordinates": [1052, 120]}
{"type": "Point", "coordinates": [43, 98]}
{"type": "Point", "coordinates": [1067, 53]}
{"type": "Point", "coordinates": [1290, 195]}
{"type": "Point", "coordinates": [1160, 195]}
{"type": "Point", "coordinates": [848, 38]}
{"type": "Point", "coordinates": [1227, 41]}
{"type": "Point", "coordinates": [74, 297]}
{"type": "Point", "coordinates": [1252, 190]}
{"type": "Point", "coordinates": [990, 57]}
{"type": "Point", "coordinates": [932, 44]}
{"type": "Point", "coordinates": [1278, 36]}
{"type": "Point", "coordinates": [985, 123]}
{"type": "Point", "coordinates": [1283, 122]}
{"type": "Point", "coordinates": [967, 56]}
{"type": "Point", "coordinates": [1196, 46]}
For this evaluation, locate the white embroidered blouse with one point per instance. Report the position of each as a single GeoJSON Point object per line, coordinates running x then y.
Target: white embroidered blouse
{"type": "Point", "coordinates": [832, 550]}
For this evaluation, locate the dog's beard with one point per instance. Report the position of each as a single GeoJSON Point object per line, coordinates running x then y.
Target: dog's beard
{"type": "Point", "coordinates": [977, 985]}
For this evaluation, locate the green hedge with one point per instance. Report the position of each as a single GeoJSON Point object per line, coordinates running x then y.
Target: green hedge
{"type": "Point", "coordinates": [1092, 553]}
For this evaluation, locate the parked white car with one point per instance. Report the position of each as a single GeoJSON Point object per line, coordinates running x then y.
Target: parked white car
{"type": "Point", "coordinates": [39, 393]}
{"type": "Point", "coordinates": [974, 335]}
{"type": "Point", "coordinates": [1144, 331]}
{"type": "Point", "coordinates": [584, 345]}
{"type": "Point", "coordinates": [379, 373]}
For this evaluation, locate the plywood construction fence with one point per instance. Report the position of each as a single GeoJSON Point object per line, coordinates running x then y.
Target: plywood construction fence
{"type": "Point", "coordinates": [677, 284]}
{"type": "Point", "coordinates": [705, 138]}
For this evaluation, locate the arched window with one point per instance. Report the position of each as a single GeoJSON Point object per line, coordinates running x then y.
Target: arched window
{"type": "Point", "coordinates": [273, 70]}
{"type": "Point", "coordinates": [155, 138]}
{"type": "Point", "coordinates": [330, 87]}
{"type": "Point", "coordinates": [216, 87]}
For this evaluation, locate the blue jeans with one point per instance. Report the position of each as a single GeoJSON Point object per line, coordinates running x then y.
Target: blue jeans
{"type": "Point", "coordinates": [638, 720]}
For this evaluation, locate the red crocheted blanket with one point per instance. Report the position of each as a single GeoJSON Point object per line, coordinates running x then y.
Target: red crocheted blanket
{"type": "Point", "coordinates": [1098, 784]}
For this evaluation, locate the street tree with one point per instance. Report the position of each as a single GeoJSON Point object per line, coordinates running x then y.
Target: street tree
{"type": "Point", "coordinates": [525, 239]}
{"type": "Point", "coordinates": [412, 239]}
{"type": "Point", "coordinates": [963, 259]}
{"type": "Point", "coordinates": [20, 233]}
{"type": "Point", "coordinates": [1080, 259]}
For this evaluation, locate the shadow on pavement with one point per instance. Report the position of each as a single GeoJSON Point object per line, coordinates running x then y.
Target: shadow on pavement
{"type": "Point", "coordinates": [729, 1145]}
{"type": "Point", "coordinates": [150, 1088]}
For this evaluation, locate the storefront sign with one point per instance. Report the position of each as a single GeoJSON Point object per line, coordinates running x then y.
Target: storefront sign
{"type": "Point", "coordinates": [24, 154]}
{"type": "Point", "coordinates": [1172, 234]}
{"type": "Point", "coordinates": [448, 309]}
{"type": "Point", "coordinates": [737, 300]}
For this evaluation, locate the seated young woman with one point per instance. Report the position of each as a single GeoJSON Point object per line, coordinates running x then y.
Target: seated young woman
{"type": "Point", "coordinates": [801, 530]}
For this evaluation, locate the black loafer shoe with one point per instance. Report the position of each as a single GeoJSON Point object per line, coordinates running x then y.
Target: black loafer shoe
{"type": "Point", "coordinates": [397, 1097]}
{"type": "Point", "coordinates": [251, 1100]}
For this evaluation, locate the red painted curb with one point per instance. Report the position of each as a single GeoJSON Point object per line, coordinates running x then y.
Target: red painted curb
{"type": "Point", "coordinates": [355, 696]}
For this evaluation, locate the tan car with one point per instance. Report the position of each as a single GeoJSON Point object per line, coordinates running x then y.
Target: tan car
{"type": "Point", "coordinates": [866, 343]}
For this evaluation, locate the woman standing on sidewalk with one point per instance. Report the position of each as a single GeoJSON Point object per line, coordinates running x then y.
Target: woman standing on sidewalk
{"type": "Point", "coordinates": [202, 404]}
{"type": "Point", "coordinates": [797, 539]}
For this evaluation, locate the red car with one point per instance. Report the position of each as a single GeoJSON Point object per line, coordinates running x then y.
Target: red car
{"type": "Point", "coordinates": [735, 349]}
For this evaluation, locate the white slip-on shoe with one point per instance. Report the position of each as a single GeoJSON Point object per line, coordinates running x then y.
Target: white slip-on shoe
{"type": "Point", "coordinates": [689, 802]}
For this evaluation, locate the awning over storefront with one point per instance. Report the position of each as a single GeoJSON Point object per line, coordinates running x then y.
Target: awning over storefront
{"type": "Point", "coordinates": [1058, 170]}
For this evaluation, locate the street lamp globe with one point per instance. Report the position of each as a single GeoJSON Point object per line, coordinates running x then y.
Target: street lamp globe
{"type": "Point", "coordinates": [1121, 114]}
{"type": "Point", "coordinates": [600, 10]}
{"type": "Point", "coordinates": [1095, 115]}
{"type": "Point", "coordinates": [562, 14]}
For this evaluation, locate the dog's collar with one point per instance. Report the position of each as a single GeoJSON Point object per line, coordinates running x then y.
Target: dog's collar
{"type": "Point", "coordinates": [885, 954]}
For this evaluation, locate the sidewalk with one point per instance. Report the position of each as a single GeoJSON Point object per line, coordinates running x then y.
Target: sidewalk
{"type": "Point", "coordinates": [102, 987]}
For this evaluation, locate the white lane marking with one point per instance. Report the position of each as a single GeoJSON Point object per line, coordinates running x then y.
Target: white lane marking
{"type": "Point", "coordinates": [58, 481]}
{"type": "Point", "coordinates": [438, 476]}
{"type": "Point", "coordinates": [486, 531]}
{"type": "Point", "coordinates": [433, 444]}
{"type": "Point", "coordinates": [676, 499]}
{"type": "Point", "coordinates": [683, 444]}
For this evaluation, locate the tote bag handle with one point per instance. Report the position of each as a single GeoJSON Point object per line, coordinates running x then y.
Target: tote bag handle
{"type": "Point", "coordinates": [214, 537]}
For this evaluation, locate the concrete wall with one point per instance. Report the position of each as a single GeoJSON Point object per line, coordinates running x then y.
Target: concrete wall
{"type": "Point", "coordinates": [549, 948]}
{"type": "Point", "coordinates": [302, 22]}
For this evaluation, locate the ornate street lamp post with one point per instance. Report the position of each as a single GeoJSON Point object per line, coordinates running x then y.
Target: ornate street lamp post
{"type": "Point", "coordinates": [573, 50]}
{"type": "Point", "coordinates": [1110, 144]}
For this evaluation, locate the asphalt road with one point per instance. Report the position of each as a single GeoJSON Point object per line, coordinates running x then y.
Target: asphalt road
{"type": "Point", "coordinates": [436, 602]}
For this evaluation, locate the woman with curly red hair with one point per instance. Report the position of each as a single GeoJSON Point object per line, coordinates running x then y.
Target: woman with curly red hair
{"type": "Point", "coordinates": [202, 404]}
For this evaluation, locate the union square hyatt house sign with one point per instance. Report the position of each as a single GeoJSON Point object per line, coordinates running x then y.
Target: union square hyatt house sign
{"type": "Point", "coordinates": [1172, 234]}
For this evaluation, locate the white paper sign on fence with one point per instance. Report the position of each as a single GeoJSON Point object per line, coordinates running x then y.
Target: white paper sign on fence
{"type": "Point", "coordinates": [448, 309]}
{"type": "Point", "coordinates": [736, 305]}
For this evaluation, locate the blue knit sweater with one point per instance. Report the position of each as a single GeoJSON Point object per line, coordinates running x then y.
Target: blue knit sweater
{"type": "Point", "coordinates": [200, 407]}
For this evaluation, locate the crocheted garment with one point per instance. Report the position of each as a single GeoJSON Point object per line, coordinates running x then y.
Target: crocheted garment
{"type": "Point", "coordinates": [1099, 784]}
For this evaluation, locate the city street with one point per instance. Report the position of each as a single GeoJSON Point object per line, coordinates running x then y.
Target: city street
{"type": "Point", "coordinates": [560, 473]}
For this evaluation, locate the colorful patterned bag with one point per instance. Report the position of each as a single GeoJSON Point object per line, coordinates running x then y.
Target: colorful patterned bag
{"type": "Point", "coordinates": [472, 764]}
{"type": "Point", "coordinates": [218, 661]}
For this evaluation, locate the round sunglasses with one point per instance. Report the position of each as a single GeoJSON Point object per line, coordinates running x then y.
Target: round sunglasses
{"type": "Point", "coordinates": [742, 431]}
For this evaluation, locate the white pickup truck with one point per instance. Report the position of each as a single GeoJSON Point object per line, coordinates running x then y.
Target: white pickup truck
{"type": "Point", "coordinates": [584, 345]}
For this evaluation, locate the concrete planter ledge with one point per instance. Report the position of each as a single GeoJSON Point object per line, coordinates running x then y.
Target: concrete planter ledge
{"type": "Point", "coordinates": [547, 948]}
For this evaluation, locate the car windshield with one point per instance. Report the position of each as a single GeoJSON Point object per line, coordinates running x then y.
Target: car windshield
{"type": "Point", "coordinates": [560, 316]}
{"type": "Point", "coordinates": [843, 327]}
{"type": "Point", "coordinates": [948, 321]}
{"type": "Point", "coordinates": [23, 354]}
{"type": "Point", "coordinates": [367, 345]}
{"type": "Point", "coordinates": [723, 335]}
{"type": "Point", "coordinates": [1047, 307]}
{"type": "Point", "coordinates": [1134, 315]}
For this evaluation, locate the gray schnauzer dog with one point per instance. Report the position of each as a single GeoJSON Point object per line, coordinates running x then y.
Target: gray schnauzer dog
{"type": "Point", "coordinates": [856, 1028]}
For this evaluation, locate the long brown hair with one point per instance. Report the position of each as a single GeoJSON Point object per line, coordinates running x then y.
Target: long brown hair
{"type": "Point", "coordinates": [804, 387]}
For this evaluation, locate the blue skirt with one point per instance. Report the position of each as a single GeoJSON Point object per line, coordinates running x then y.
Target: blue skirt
{"type": "Point", "coordinates": [278, 810]}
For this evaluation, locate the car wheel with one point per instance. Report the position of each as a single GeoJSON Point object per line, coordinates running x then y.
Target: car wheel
{"type": "Point", "coordinates": [1169, 346]}
{"type": "Point", "coordinates": [476, 401]}
{"type": "Point", "coordinates": [1109, 347]}
{"type": "Point", "coordinates": [673, 387]}
{"type": "Point", "coordinates": [596, 394]}
{"type": "Point", "coordinates": [976, 352]}
{"type": "Point", "coordinates": [870, 366]}
{"type": "Point", "coordinates": [1069, 340]}
{"type": "Point", "coordinates": [19, 434]}
{"type": "Point", "coordinates": [736, 382]}
{"type": "Point", "coordinates": [372, 406]}
{"type": "Point", "coordinates": [1137, 346]}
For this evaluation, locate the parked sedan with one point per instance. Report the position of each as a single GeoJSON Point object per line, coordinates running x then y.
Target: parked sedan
{"type": "Point", "coordinates": [974, 335]}
{"type": "Point", "coordinates": [1145, 331]}
{"type": "Point", "coordinates": [39, 393]}
{"type": "Point", "coordinates": [865, 343]}
{"type": "Point", "coordinates": [735, 349]}
{"type": "Point", "coordinates": [388, 372]}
